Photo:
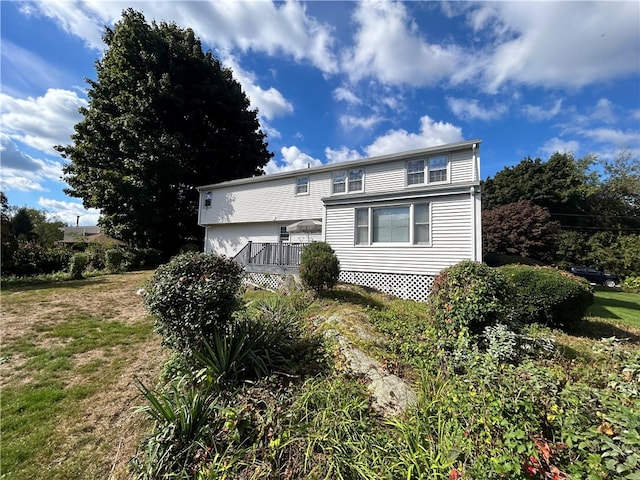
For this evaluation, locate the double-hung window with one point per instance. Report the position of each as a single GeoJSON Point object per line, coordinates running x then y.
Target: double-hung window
{"type": "Point", "coordinates": [302, 185]}
{"type": "Point", "coordinates": [415, 172]}
{"type": "Point", "coordinates": [407, 224]}
{"type": "Point", "coordinates": [432, 170]}
{"type": "Point", "coordinates": [339, 182]}
{"type": "Point", "coordinates": [207, 199]}
{"type": "Point", "coordinates": [348, 181]}
{"type": "Point", "coordinates": [355, 180]}
{"type": "Point", "coordinates": [437, 169]}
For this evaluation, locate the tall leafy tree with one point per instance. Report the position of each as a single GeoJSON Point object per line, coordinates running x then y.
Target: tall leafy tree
{"type": "Point", "coordinates": [163, 117]}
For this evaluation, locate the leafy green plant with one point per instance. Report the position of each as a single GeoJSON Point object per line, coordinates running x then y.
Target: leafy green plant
{"type": "Point", "coordinates": [184, 416]}
{"type": "Point", "coordinates": [194, 297]}
{"type": "Point", "coordinates": [631, 284]}
{"type": "Point", "coordinates": [468, 295]}
{"type": "Point", "coordinates": [546, 295]}
{"type": "Point", "coordinates": [114, 258]}
{"type": "Point", "coordinates": [77, 264]}
{"type": "Point", "coordinates": [319, 267]}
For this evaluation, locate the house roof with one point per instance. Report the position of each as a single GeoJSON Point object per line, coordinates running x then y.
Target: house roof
{"type": "Point", "coordinates": [450, 147]}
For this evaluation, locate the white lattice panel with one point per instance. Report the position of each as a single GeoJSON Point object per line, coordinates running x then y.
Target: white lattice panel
{"type": "Point", "coordinates": [267, 281]}
{"type": "Point", "coordinates": [414, 287]}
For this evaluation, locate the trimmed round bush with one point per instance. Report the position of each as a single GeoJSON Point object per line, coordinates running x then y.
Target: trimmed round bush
{"type": "Point", "coordinates": [113, 259]}
{"type": "Point", "coordinates": [319, 267]}
{"type": "Point", "coordinates": [546, 295]}
{"type": "Point", "coordinates": [193, 296]}
{"type": "Point", "coordinates": [77, 265]}
{"type": "Point", "coordinates": [469, 295]}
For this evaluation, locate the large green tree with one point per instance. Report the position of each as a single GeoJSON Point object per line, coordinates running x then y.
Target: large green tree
{"type": "Point", "coordinates": [163, 117]}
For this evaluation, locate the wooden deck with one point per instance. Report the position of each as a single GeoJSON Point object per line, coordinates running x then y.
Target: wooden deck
{"type": "Point", "coordinates": [261, 257]}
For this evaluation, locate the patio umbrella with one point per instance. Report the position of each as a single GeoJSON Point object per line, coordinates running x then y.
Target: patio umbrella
{"type": "Point", "coordinates": [305, 226]}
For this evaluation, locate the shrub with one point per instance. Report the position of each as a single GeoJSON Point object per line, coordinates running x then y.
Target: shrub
{"type": "Point", "coordinates": [468, 295]}
{"type": "Point", "coordinates": [143, 258]}
{"type": "Point", "coordinates": [546, 295]}
{"type": "Point", "coordinates": [193, 297]}
{"type": "Point", "coordinates": [95, 256]}
{"type": "Point", "coordinates": [113, 259]}
{"type": "Point", "coordinates": [631, 284]}
{"type": "Point", "coordinates": [77, 265]}
{"type": "Point", "coordinates": [32, 259]}
{"type": "Point", "coordinates": [319, 267]}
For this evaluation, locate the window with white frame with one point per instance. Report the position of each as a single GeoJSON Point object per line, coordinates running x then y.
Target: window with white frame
{"type": "Point", "coordinates": [355, 180]}
{"type": "Point", "coordinates": [351, 181]}
{"type": "Point", "coordinates": [207, 199]}
{"type": "Point", "coordinates": [284, 234]}
{"type": "Point", "coordinates": [339, 182]}
{"type": "Point", "coordinates": [437, 169]}
{"type": "Point", "coordinates": [362, 226]}
{"type": "Point", "coordinates": [432, 170]}
{"type": "Point", "coordinates": [302, 185]}
{"type": "Point", "coordinates": [398, 224]}
{"type": "Point", "coordinates": [415, 172]}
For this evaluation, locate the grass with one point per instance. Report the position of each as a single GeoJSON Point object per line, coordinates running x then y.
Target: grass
{"type": "Point", "coordinates": [615, 305]}
{"type": "Point", "coordinates": [70, 353]}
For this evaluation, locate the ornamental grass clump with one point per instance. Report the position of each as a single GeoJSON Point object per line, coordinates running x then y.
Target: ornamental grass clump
{"type": "Point", "coordinates": [194, 297]}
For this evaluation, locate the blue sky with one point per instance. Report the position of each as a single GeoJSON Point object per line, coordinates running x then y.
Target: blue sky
{"type": "Point", "coordinates": [335, 81]}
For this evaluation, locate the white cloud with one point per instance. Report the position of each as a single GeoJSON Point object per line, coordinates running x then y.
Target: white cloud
{"type": "Point", "coordinates": [270, 103]}
{"type": "Point", "coordinates": [41, 122]}
{"type": "Point", "coordinates": [604, 111]}
{"type": "Point", "coordinates": [23, 172]}
{"type": "Point", "coordinates": [69, 211]}
{"type": "Point", "coordinates": [346, 95]}
{"type": "Point", "coordinates": [618, 138]}
{"type": "Point", "coordinates": [558, 145]}
{"type": "Point", "coordinates": [389, 47]}
{"type": "Point", "coordinates": [270, 27]}
{"type": "Point", "coordinates": [470, 109]}
{"type": "Point", "coordinates": [292, 159]}
{"type": "Point", "coordinates": [351, 122]}
{"type": "Point", "coordinates": [538, 113]}
{"type": "Point", "coordinates": [431, 133]}
{"type": "Point", "coordinates": [342, 154]}
{"type": "Point", "coordinates": [554, 44]}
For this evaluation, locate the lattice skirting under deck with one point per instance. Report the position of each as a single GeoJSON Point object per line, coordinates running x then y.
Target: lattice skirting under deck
{"type": "Point", "coordinates": [267, 281]}
{"type": "Point", "coordinates": [414, 287]}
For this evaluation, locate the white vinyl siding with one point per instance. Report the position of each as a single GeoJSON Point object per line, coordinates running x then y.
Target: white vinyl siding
{"type": "Point", "coordinates": [450, 242]}
{"type": "Point", "coordinates": [273, 200]}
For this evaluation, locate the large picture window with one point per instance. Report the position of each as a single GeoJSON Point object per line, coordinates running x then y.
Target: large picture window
{"type": "Point", "coordinates": [400, 224]}
{"type": "Point", "coordinates": [391, 225]}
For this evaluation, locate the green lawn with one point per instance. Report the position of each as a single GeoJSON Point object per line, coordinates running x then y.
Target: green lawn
{"type": "Point", "coordinates": [616, 305]}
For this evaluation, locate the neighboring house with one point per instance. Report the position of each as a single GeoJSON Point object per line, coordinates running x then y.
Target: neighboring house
{"type": "Point", "coordinates": [394, 221]}
{"type": "Point", "coordinates": [78, 234]}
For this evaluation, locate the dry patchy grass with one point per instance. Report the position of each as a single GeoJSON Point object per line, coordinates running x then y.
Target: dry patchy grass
{"type": "Point", "coordinates": [70, 355]}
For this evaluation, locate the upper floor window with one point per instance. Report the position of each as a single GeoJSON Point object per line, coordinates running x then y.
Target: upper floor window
{"type": "Point", "coordinates": [437, 169]}
{"type": "Point", "coordinates": [353, 182]}
{"type": "Point", "coordinates": [302, 185]}
{"type": "Point", "coordinates": [415, 172]}
{"type": "Point", "coordinates": [207, 199]}
{"type": "Point", "coordinates": [284, 234]}
{"type": "Point", "coordinates": [432, 170]}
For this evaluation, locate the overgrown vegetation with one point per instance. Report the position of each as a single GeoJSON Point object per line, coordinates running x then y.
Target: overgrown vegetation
{"type": "Point", "coordinates": [497, 398]}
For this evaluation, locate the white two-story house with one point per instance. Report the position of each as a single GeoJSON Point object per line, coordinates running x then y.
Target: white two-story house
{"type": "Point", "coordinates": [394, 221]}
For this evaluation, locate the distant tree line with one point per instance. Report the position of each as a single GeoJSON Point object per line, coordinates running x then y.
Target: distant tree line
{"type": "Point", "coordinates": [566, 211]}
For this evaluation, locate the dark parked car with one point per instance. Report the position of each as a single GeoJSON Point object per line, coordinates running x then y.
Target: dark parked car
{"type": "Point", "coordinates": [596, 276]}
